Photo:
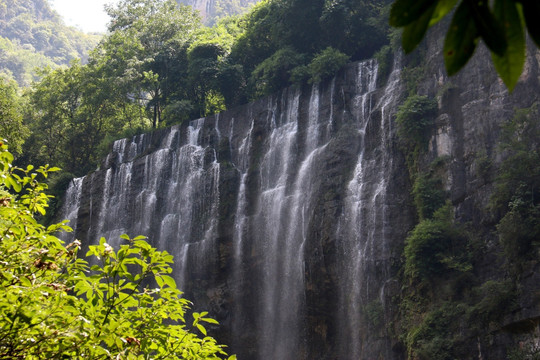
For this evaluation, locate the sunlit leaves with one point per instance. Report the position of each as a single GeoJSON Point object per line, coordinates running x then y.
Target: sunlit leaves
{"type": "Point", "coordinates": [441, 10]}
{"type": "Point", "coordinates": [499, 24]}
{"type": "Point", "coordinates": [54, 305]}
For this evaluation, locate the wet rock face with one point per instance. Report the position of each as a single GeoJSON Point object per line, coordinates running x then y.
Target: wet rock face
{"type": "Point", "coordinates": [287, 216]}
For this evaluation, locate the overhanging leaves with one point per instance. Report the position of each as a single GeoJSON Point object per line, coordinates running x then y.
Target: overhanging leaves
{"type": "Point", "coordinates": [461, 40]}
{"type": "Point", "coordinates": [414, 32]}
{"type": "Point", "coordinates": [489, 28]}
{"type": "Point", "coordinates": [510, 65]}
{"type": "Point", "coordinates": [499, 23]}
{"type": "Point", "coordinates": [404, 12]}
{"type": "Point", "coordinates": [531, 11]}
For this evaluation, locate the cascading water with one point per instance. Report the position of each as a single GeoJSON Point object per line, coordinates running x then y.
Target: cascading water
{"type": "Point", "coordinates": [365, 218]}
{"type": "Point", "coordinates": [248, 201]}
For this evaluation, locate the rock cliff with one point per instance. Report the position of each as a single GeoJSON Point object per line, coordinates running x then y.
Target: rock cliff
{"type": "Point", "coordinates": [288, 216]}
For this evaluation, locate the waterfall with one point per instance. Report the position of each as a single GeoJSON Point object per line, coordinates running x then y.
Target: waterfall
{"type": "Point", "coordinates": [257, 204]}
{"type": "Point", "coordinates": [70, 208]}
{"type": "Point", "coordinates": [365, 218]}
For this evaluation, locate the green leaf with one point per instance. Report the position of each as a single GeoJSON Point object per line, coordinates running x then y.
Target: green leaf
{"type": "Point", "coordinates": [488, 27]}
{"type": "Point", "coordinates": [441, 10]}
{"type": "Point", "coordinates": [25, 281]}
{"type": "Point", "coordinates": [14, 184]}
{"type": "Point", "coordinates": [510, 65]}
{"type": "Point", "coordinates": [169, 281]}
{"type": "Point", "coordinates": [461, 40]}
{"type": "Point", "coordinates": [210, 321]}
{"type": "Point", "coordinates": [414, 32]}
{"type": "Point", "coordinates": [201, 328]}
{"type": "Point", "coordinates": [160, 281]}
{"type": "Point", "coordinates": [404, 12]}
{"type": "Point", "coordinates": [40, 209]}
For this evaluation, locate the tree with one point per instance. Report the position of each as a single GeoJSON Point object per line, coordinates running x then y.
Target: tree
{"type": "Point", "coordinates": [326, 64]}
{"type": "Point", "coordinates": [274, 73]}
{"type": "Point", "coordinates": [71, 112]}
{"type": "Point", "coordinates": [203, 70]}
{"type": "Point", "coordinates": [500, 23]}
{"type": "Point", "coordinates": [144, 36]}
{"type": "Point", "coordinates": [11, 125]}
{"type": "Point", "coordinates": [54, 305]}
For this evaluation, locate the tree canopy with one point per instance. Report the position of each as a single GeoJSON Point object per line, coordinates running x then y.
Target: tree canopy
{"type": "Point", "coordinates": [11, 120]}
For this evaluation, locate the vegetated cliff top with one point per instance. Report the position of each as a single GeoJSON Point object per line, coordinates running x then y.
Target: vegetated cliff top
{"type": "Point", "coordinates": [33, 35]}
{"type": "Point", "coordinates": [212, 10]}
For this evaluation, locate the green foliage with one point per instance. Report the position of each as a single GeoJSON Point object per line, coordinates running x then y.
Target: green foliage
{"type": "Point", "coordinates": [146, 38]}
{"type": "Point", "coordinates": [55, 305]}
{"type": "Point", "coordinates": [517, 191]}
{"type": "Point", "coordinates": [33, 36]}
{"type": "Point", "coordinates": [353, 29]}
{"type": "Point", "coordinates": [71, 112]}
{"type": "Point", "coordinates": [271, 74]}
{"type": "Point", "coordinates": [428, 195]}
{"type": "Point", "coordinates": [203, 71]}
{"type": "Point", "coordinates": [415, 120]}
{"type": "Point", "coordinates": [434, 247]}
{"type": "Point", "coordinates": [500, 24]}
{"type": "Point", "coordinates": [12, 128]}
{"type": "Point", "coordinates": [519, 231]}
{"type": "Point", "coordinates": [442, 328]}
{"type": "Point", "coordinates": [326, 64]}
{"type": "Point", "coordinates": [384, 57]}
{"type": "Point", "coordinates": [433, 337]}
{"type": "Point", "coordinates": [157, 66]}
{"type": "Point", "coordinates": [483, 167]}
{"type": "Point", "coordinates": [492, 299]}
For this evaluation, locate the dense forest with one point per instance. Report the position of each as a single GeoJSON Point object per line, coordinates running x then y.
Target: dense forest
{"type": "Point", "coordinates": [159, 65]}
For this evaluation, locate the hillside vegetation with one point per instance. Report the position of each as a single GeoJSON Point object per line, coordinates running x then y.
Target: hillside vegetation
{"type": "Point", "coordinates": [158, 65]}
{"type": "Point", "coordinates": [33, 36]}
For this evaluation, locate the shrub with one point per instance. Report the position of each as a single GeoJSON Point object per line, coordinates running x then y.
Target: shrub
{"type": "Point", "coordinates": [326, 64]}
{"type": "Point", "coordinates": [274, 73]}
{"type": "Point", "coordinates": [384, 57]}
{"type": "Point", "coordinates": [434, 247]}
{"type": "Point", "coordinates": [517, 188]}
{"type": "Point", "coordinates": [519, 230]}
{"type": "Point", "coordinates": [432, 338]}
{"type": "Point", "coordinates": [492, 300]}
{"type": "Point", "coordinates": [53, 305]}
{"type": "Point", "coordinates": [428, 195]}
{"type": "Point", "coordinates": [415, 119]}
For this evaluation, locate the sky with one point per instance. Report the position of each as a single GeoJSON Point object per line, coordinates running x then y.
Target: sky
{"type": "Point", "coordinates": [87, 15]}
